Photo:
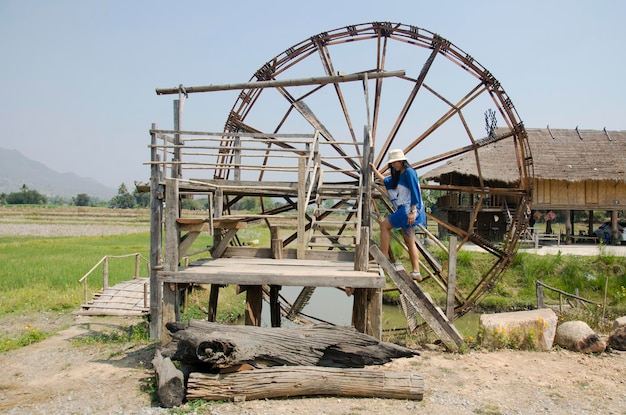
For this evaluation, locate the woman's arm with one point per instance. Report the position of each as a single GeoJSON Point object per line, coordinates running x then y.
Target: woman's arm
{"type": "Point", "coordinates": [377, 173]}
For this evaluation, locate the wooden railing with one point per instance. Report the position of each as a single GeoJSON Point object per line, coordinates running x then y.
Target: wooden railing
{"type": "Point", "coordinates": [540, 300]}
{"type": "Point", "coordinates": [105, 274]}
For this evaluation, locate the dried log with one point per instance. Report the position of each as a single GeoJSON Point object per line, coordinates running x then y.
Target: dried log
{"type": "Point", "coordinates": [283, 382]}
{"type": "Point", "coordinates": [171, 389]}
{"type": "Point", "coordinates": [220, 346]}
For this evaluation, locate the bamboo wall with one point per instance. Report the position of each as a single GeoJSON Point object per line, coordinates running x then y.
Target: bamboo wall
{"type": "Point", "coordinates": [584, 195]}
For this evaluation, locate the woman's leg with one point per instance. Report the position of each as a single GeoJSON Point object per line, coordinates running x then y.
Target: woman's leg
{"type": "Point", "coordinates": [414, 254]}
{"type": "Point", "coordinates": [385, 236]}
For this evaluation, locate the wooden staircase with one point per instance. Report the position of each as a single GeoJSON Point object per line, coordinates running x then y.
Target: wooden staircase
{"type": "Point", "coordinates": [417, 299]}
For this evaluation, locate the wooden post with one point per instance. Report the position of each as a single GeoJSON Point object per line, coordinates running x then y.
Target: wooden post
{"type": "Point", "coordinates": [237, 158]}
{"type": "Point", "coordinates": [156, 230]}
{"type": "Point", "coordinates": [277, 253]}
{"type": "Point", "coordinates": [302, 205]}
{"type": "Point", "coordinates": [170, 290]}
{"type": "Point", "coordinates": [177, 167]}
{"type": "Point", "coordinates": [568, 224]}
{"type": "Point", "coordinates": [451, 289]}
{"type": "Point", "coordinates": [367, 305]}
{"type": "Point", "coordinates": [137, 265]}
{"type": "Point", "coordinates": [614, 232]}
{"type": "Point", "coordinates": [359, 307]}
{"type": "Point", "coordinates": [213, 298]}
{"type": "Point", "coordinates": [254, 304]}
{"type": "Point", "coordinates": [540, 301]}
{"type": "Point", "coordinates": [374, 312]}
{"type": "Point", "coordinates": [105, 273]}
{"type": "Point", "coordinates": [276, 243]}
{"type": "Point", "coordinates": [362, 252]}
{"type": "Point", "coordinates": [275, 305]}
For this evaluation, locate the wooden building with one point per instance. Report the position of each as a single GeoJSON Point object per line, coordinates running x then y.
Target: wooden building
{"type": "Point", "coordinates": [574, 170]}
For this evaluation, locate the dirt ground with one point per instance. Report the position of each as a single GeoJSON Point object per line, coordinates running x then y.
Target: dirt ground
{"type": "Point", "coordinates": [58, 376]}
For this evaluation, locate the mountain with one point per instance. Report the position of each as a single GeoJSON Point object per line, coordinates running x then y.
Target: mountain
{"type": "Point", "coordinates": [17, 170]}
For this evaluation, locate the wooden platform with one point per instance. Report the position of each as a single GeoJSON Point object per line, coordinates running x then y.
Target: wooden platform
{"type": "Point", "coordinates": [285, 272]}
{"type": "Point", "coordinates": [124, 299]}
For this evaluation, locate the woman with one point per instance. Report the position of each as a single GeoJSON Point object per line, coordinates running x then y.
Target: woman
{"type": "Point", "coordinates": [405, 195]}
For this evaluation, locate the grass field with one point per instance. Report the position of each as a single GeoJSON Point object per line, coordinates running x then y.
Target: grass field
{"type": "Point", "coordinates": [45, 251]}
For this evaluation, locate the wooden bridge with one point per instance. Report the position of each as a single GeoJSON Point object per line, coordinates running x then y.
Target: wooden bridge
{"type": "Point", "coordinates": [128, 298]}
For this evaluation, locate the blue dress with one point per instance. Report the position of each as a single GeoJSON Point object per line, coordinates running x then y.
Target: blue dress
{"type": "Point", "coordinates": [405, 195]}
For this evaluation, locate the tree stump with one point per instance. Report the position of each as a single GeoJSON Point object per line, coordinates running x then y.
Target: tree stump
{"type": "Point", "coordinates": [215, 346]}
{"type": "Point", "coordinates": [171, 389]}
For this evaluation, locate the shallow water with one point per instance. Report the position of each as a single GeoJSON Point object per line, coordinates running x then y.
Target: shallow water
{"type": "Point", "coordinates": [334, 306]}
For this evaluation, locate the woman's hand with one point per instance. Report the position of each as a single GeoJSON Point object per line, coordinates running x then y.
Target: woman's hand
{"type": "Point", "coordinates": [412, 217]}
{"type": "Point", "coordinates": [376, 172]}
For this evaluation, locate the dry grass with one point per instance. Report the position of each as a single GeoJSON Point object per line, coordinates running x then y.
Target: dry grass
{"type": "Point", "coordinates": [72, 221]}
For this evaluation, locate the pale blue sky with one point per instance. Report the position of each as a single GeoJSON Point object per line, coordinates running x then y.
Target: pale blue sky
{"type": "Point", "coordinates": [77, 78]}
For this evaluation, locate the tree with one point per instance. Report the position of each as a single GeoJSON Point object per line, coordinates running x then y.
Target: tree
{"type": "Point", "coordinates": [81, 199]}
{"type": "Point", "coordinates": [26, 197]}
{"type": "Point", "coordinates": [123, 200]}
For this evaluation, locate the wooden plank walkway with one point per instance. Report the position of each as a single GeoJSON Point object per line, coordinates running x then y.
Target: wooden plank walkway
{"type": "Point", "coordinates": [128, 298]}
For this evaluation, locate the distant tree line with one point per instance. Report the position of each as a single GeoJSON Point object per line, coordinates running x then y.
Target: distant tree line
{"type": "Point", "coordinates": [123, 200]}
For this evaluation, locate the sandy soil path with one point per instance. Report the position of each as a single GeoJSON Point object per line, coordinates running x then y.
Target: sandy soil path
{"type": "Point", "coordinates": [57, 376]}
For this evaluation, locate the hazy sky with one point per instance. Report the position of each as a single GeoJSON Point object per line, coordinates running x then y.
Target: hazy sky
{"type": "Point", "coordinates": [77, 78]}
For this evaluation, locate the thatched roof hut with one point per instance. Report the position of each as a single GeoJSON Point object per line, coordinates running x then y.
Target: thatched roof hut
{"type": "Point", "coordinates": [558, 154]}
{"type": "Point", "coordinates": [572, 169]}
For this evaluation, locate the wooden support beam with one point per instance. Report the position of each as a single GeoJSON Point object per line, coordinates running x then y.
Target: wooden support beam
{"type": "Point", "coordinates": [302, 205]}
{"type": "Point", "coordinates": [171, 259]}
{"type": "Point", "coordinates": [218, 251]}
{"type": "Point", "coordinates": [156, 216]}
{"type": "Point", "coordinates": [186, 241]}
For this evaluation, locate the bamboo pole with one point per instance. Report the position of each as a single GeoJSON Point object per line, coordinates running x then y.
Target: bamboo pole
{"type": "Point", "coordinates": [319, 80]}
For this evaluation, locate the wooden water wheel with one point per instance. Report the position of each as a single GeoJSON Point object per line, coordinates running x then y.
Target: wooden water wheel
{"type": "Point", "coordinates": [441, 105]}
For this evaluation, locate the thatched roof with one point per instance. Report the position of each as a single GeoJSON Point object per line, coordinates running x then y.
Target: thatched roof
{"type": "Point", "coordinates": [569, 155]}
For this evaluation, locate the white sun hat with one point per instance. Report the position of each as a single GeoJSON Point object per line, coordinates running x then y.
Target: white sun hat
{"type": "Point", "coordinates": [396, 155]}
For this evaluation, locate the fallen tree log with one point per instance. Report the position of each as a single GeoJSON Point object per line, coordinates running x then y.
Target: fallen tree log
{"type": "Point", "coordinates": [284, 382]}
{"type": "Point", "coordinates": [221, 346]}
{"type": "Point", "coordinates": [171, 389]}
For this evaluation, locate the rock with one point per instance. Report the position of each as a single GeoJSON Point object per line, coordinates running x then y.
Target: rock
{"type": "Point", "coordinates": [617, 339]}
{"type": "Point", "coordinates": [533, 329]}
{"type": "Point", "coordinates": [619, 322]}
{"type": "Point", "coordinates": [579, 337]}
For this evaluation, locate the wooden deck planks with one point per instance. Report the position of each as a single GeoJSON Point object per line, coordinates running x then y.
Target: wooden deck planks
{"type": "Point", "coordinates": [286, 272]}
